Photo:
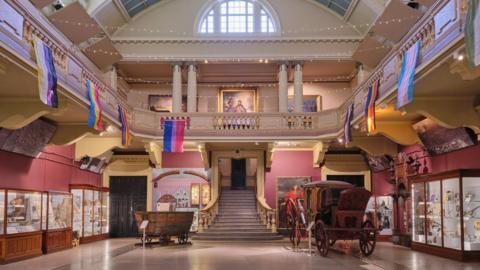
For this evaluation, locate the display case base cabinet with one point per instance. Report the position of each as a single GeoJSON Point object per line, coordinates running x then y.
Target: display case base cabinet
{"type": "Point", "coordinates": [447, 252]}
{"type": "Point", "coordinates": [57, 240]}
{"type": "Point", "coordinates": [20, 247]}
{"type": "Point", "coordinates": [89, 239]}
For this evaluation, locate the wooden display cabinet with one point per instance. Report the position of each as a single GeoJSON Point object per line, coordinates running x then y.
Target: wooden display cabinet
{"type": "Point", "coordinates": [90, 212]}
{"type": "Point", "coordinates": [446, 214]}
{"type": "Point", "coordinates": [20, 220]}
{"type": "Point", "coordinates": [57, 224]}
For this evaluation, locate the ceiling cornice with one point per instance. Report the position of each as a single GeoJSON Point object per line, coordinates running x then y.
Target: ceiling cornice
{"type": "Point", "coordinates": [237, 40]}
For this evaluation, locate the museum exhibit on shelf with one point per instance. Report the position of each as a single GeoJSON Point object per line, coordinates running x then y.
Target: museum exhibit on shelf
{"type": "Point", "coordinates": [206, 134]}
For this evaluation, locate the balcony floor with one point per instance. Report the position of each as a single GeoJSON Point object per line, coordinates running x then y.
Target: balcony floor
{"type": "Point", "coordinates": [121, 254]}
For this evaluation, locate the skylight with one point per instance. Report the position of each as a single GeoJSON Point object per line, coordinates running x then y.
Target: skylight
{"type": "Point", "coordinates": [338, 6]}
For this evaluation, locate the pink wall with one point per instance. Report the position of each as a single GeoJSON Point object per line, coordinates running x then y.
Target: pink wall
{"type": "Point", "coordinates": [53, 170]}
{"type": "Point", "coordinates": [182, 160]}
{"type": "Point", "coordinates": [289, 163]}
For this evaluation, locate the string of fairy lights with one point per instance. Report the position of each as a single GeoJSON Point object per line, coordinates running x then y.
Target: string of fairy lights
{"type": "Point", "coordinates": [302, 30]}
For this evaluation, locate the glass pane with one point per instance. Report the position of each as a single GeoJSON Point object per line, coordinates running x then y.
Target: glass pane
{"type": "Point", "coordinates": [44, 210]}
{"type": "Point", "coordinates": [203, 28]}
{"type": "Point", "coordinates": [88, 213]}
{"type": "Point", "coordinates": [77, 211]}
{"type": "Point", "coordinates": [451, 214]}
{"type": "Point", "coordinates": [2, 210]}
{"type": "Point", "coordinates": [105, 212]}
{"type": "Point", "coordinates": [249, 8]}
{"type": "Point", "coordinates": [434, 219]}
{"type": "Point", "coordinates": [264, 24]}
{"type": "Point", "coordinates": [23, 211]}
{"type": "Point", "coordinates": [59, 211]}
{"type": "Point", "coordinates": [223, 8]}
{"type": "Point", "coordinates": [223, 24]}
{"type": "Point", "coordinates": [471, 212]}
{"type": "Point", "coordinates": [271, 29]}
{"type": "Point", "coordinates": [237, 24]}
{"type": "Point", "coordinates": [210, 24]}
{"type": "Point", "coordinates": [384, 212]}
{"type": "Point", "coordinates": [236, 7]}
{"type": "Point", "coordinates": [97, 225]}
{"type": "Point", "coordinates": [418, 209]}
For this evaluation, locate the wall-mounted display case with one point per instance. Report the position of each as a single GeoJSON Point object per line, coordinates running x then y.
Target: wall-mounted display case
{"type": "Point", "coordinates": [380, 211]}
{"type": "Point", "coordinates": [90, 213]}
{"type": "Point", "coordinates": [57, 234]}
{"type": "Point", "coordinates": [446, 214]}
{"type": "Point", "coordinates": [21, 218]}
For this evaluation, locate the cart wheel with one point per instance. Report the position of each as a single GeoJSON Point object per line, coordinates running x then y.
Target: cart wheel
{"type": "Point", "coordinates": [321, 238]}
{"type": "Point", "coordinates": [368, 238]}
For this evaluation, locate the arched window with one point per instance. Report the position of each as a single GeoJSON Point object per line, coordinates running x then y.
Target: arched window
{"type": "Point", "coordinates": [237, 17]}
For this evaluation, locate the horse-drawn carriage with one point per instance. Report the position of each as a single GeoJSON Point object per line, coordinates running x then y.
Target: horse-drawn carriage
{"type": "Point", "coordinates": [164, 225]}
{"type": "Point", "coordinates": [338, 211]}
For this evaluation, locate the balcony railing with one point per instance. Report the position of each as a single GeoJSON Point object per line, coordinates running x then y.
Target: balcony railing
{"type": "Point", "coordinates": [439, 29]}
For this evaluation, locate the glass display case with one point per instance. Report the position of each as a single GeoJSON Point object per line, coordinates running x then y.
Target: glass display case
{"type": "Point", "coordinates": [90, 212]}
{"type": "Point", "coordinates": [58, 233]}
{"type": "Point", "coordinates": [23, 211]}
{"type": "Point", "coordinates": [446, 214]}
{"type": "Point", "coordinates": [21, 220]}
{"type": "Point", "coordinates": [105, 212]}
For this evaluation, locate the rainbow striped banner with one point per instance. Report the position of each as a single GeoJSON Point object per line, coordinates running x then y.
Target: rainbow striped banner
{"type": "Point", "coordinates": [122, 117]}
{"type": "Point", "coordinates": [370, 105]}
{"type": "Point", "coordinates": [47, 75]}
{"type": "Point", "coordinates": [407, 74]}
{"type": "Point", "coordinates": [95, 115]}
{"type": "Point", "coordinates": [347, 131]}
{"type": "Point", "coordinates": [173, 136]}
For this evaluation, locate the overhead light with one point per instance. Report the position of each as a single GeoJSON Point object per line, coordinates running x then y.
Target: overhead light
{"type": "Point", "coordinates": [266, 61]}
{"type": "Point", "coordinates": [403, 113]}
{"type": "Point", "coordinates": [460, 57]}
{"type": "Point", "coordinates": [260, 61]}
{"type": "Point", "coordinates": [340, 140]}
{"type": "Point", "coordinates": [206, 61]}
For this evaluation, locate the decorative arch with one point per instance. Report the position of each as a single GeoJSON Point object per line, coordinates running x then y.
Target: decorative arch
{"type": "Point", "coordinates": [215, 17]}
{"type": "Point", "coordinates": [175, 172]}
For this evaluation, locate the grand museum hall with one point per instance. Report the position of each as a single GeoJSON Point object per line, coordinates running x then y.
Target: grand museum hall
{"type": "Point", "coordinates": [239, 134]}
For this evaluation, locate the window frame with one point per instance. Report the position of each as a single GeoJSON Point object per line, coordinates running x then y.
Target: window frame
{"type": "Point", "coordinates": [258, 5]}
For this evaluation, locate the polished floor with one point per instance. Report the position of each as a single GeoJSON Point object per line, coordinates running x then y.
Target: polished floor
{"type": "Point", "coordinates": [121, 254]}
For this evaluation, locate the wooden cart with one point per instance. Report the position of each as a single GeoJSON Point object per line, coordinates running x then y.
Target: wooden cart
{"type": "Point", "coordinates": [164, 225]}
{"type": "Point", "coordinates": [338, 210]}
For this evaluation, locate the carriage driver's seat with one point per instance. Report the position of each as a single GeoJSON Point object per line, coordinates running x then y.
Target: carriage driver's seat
{"type": "Point", "coordinates": [351, 207]}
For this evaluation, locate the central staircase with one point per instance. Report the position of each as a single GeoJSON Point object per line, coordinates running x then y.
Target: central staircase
{"type": "Point", "coordinates": [237, 220]}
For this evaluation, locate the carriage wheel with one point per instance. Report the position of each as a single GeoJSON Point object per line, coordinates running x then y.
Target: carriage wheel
{"type": "Point", "coordinates": [321, 238]}
{"type": "Point", "coordinates": [368, 238]}
{"type": "Point", "coordinates": [183, 239]}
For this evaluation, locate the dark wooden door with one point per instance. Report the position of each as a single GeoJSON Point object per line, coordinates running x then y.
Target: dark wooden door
{"type": "Point", "coordinates": [127, 195]}
{"type": "Point", "coordinates": [356, 180]}
{"type": "Point", "coordinates": [239, 173]}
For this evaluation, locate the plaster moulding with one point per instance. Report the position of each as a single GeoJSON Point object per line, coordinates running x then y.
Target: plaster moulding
{"type": "Point", "coordinates": [237, 40]}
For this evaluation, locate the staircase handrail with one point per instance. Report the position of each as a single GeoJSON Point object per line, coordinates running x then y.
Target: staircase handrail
{"type": "Point", "coordinates": [208, 213]}
{"type": "Point", "coordinates": [267, 214]}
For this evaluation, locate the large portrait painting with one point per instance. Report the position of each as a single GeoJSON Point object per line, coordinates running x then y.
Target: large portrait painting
{"type": "Point", "coordinates": [238, 101]}
{"type": "Point", "coordinates": [288, 187]}
{"type": "Point", "coordinates": [164, 103]}
{"type": "Point", "coordinates": [311, 103]}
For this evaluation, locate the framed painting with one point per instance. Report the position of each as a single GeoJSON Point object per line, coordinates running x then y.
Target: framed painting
{"type": "Point", "coordinates": [238, 101]}
{"type": "Point", "coordinates": [164, 103]}
{"type": "Point", "coordinates": [311, 103]}
{"type": "Point", "coordinates": [287, 187]}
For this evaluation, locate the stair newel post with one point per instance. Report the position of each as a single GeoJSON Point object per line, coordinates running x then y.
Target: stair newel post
{"type": "Point", "coordinates": [268, 219]}
{"type": "Point", "coordinates": [274, 225]}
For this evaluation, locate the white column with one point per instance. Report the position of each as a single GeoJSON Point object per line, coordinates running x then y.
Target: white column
{"type": "Point", "coordinates": [283, 89]}
{"type": "Point", "coordinates": [298, 88]}
{"type": "Point", "coordinates": [177, 89]}
{"type": "Point", "coordinates": [192, 89]}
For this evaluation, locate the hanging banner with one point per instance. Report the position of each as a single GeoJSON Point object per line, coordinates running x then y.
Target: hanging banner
{"type": "Point", "coordinates": [47, 75]}
{"type": "Point", "coordinates": [173, 136]}
{"type": "Point", "coordinates": [122, 117]}
{"type": "Point", "coordinates": [370, 105]}
{"type": "Point", "coordinates": [347, 131]}
{"type": "Point", "coordinates": [407, 74]}
{"type": "Point", "coordinates": [472, 33]}
{"type": "Point", "coordinates": [95, 114]}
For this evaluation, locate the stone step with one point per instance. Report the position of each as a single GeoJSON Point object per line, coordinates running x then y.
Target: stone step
{"type": "Point", "coordinates": [270, 237]}
{"type": "Point", "coordinates": [235, 230]}
{"type": "Point", "coordinates": [235, 200]}
{"type": "Point", "coordinates": [238, 233]}
{"type": "Point", "coordinates": [238, 215]}
{"type": "Point", "coordinates": [255, 226]}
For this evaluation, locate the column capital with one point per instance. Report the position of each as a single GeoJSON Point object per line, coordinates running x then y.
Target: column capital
{"type": "Point", "coordinates": [298, 65]}
{"type": "Point", "coordinates": [192, 66]}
